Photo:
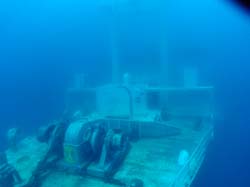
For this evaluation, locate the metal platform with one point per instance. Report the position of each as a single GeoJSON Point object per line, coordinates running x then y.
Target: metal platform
{"type": "Point", "coordinates": [154, 160]}
{"type": "Point", "coordinates": [168, 121]}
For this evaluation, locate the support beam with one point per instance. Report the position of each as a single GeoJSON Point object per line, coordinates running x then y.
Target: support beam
{"type": "Point", "coordinates": [114, 46]}
{"type": "Point", "coordinates": [164, 51]}
{"type": "Point", "coordinates": [115, 60]}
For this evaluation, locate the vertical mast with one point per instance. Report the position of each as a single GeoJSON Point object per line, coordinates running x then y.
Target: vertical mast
{"type": "Point", "coordinates": [114, 59]}
{"type": "Point", "coordinates": [164, 58]}
{"type": "Point", "coordinates": [164, 55]}
{"type": "Point", "coordinates": [114, 47]}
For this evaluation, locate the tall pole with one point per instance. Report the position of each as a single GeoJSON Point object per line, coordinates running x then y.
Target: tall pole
{"type": "Point", "coordinates": [164, 52]}
{"type": "Point", "coordinates": [115, 59]}
{"type": "Point", "coordinates": [114, 47]}
{"type": "Point", "coordinates": [164, 61]}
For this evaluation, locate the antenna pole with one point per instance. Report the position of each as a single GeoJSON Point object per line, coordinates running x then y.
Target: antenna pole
{"type": "Point", "coordinates": [164, 53]}
{"type": "Point", "coordinates": [114, 47]}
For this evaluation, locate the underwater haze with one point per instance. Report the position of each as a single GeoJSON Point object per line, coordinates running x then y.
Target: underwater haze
{"type": "Point", "coordinates": [45, 43]}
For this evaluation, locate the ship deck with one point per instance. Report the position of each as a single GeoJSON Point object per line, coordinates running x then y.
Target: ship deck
{"type": "Point", "coordinates": [154, 160]}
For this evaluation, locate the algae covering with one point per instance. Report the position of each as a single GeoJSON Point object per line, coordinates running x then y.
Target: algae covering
{"type": "Point", "coordinates": [27, 156]}
{"type": "Point", "coordinates": [147, 143]}
{"type": "Point", "coordinates": [152, 160]}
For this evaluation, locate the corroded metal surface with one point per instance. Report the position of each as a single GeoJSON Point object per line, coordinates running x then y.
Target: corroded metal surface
{"type": "Point", "coordinates": [154, 160]}
{"type": "Point", "coordinates": [26, 157]}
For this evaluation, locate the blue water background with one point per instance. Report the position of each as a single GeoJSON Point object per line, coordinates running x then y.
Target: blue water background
{"type": "Point", "coordinates": [44, 43]}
